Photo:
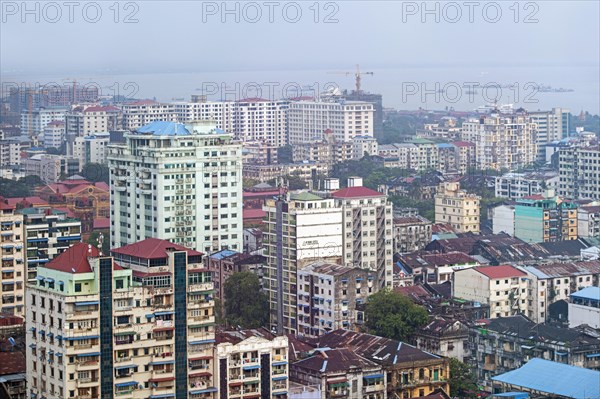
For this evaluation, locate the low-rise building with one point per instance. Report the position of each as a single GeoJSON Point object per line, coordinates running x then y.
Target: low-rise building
{"type": "Point", "coordinates": [13, 378]}
{"type": "Point", "coordinates": [92, 148]}
{"type": "Point", "coordinates": [327, 151]}
{"type": "Point", "coordinates": [411, 233]}
{"type": "Point", "coordinates": [362, 145]}
{"type": "Point", "coordinates": [444, 336]}
{"type": "Point", "coordinates": [584, 307]}
{"type": "Point", "coordinates": [503, 344]}
{"type": "Point", "coordinates": [551, 282]}
{"type": "Point", "coordinates": [519, 185]}
{"type": "Point", "coordinates": [328, 297]}
{"type": "Point", "coordinates": [588, 221]}
{"type": "Point", "coordinates": [305, 170]}
{"type": "Point", "coordinates": [431, 267]}
{"type": "Point", "coordinates": [545, 218]}
{"type": "Point", "coordinates": [503, 288]}
{"type": "Point", "coordinates": [252, 364]}
{"type": "Point", "coordinates": [340, 373]}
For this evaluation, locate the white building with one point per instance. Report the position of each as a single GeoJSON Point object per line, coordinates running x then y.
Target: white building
{"type": "Point", "coordinates": [54, 134]}
{"type": "Point", "coordinates": [10, 152]}
{"type": "Point", "coordinates": [551, 125]}
{"type": "Point", "coordinates": [299, 230]}
{"type": "Point", "coordinates": [362, 145]}
{"type": "Point", "coordinates": [367, 222]}
{"type": "Point", "coordinates": [578, 170]}
{"type": "Point", "coordinates": [588, 220]}
{"type": "Point", "coordinates": [92, 148]}
{"type": "Point", "coordinates": [141, 113]}
{"type": "Point", "coordinates": [50, 167]}
{"type": "Point", "coordinates": [12, 278]}
{"type": "Point", "coordinates": [502, 141]}
{"type": "Point", "coordinates": [34, 122]}
{"type": "Point", "coordinates": [308, 120]}
{"type": "Point", "coordinates": [503, 288]}
{"type": "Point", "coordinates": [584, 307]}
{"type": "Point", "coordinates": [503, 219]}
{"type": "Point", "coordinates": [519, 185]}
{"type": "Point", "coordinates": [177, 182]}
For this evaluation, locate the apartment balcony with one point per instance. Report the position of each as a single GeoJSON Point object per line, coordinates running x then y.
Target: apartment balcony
{"type": "Point", "coordinates": [87, 382]}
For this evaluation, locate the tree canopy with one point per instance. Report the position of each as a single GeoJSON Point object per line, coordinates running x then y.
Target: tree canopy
{"type": "Point", "coordinates": [245, 304]}
{"type": "Point", "coordinates": [19, 188]}
{"type": "Point", "coordinates": [392, 315]}
{"type": "Point", "coordinates": [95, 172]}
{"type": "Point", "coordinates": [462, 379]}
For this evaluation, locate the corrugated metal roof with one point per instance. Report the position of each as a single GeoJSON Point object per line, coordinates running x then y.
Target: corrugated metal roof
{"type": "Point", "coordinates": [163, 128]}
{"type": "Point", "coordinates": [588, 293]}
{"type": "Point", "coordinates": [554, 378]}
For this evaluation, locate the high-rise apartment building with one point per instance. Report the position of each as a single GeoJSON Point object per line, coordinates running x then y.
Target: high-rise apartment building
{"type": "Point", "coordinates": [177, 182]}
{"type": "Point", "coordinates": [579, 176]}
{"type": "Point", "coordinates": [12, 278]}
{"type": "Point", "coordinates": [298, 230]}
{"type": "Point", "coordinates": [54, 134]}
{"type": "Point", "coordinates": [551, 126]}
{"type": "Point", "coordinates": [137, 326]}
{"type": "Point", "coordinates": [91, 148]}
{"type": "Point", "coordinates": [367, 225]}
{"type": "Point", "coordinates": [141, 113]}
{"type": "Point", "coordinates": [35, 121]}
{"type": "Point", "coordinates": [457, 208]}
{"type": "Point", "coordinates": [502, 141]}
{"type": "Point", "coordinates": [83, 121]}
{"type": "Point", "coordinates": [308, 120]}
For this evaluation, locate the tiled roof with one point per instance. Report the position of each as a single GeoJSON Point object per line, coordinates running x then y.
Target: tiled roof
{"type": "Point", "coordinates": [74, 259]}
{"type": "Point", "coordinates": [503, 271]}
{"type": "Point", "coordinates": [152, 248]}
{"type": "Point", "coordinates": [333, 360]}
{"type": "Point", "coordinates": [34, 201]}
{"type": "Point", "coordinates": [12, 363]}
{"type": "Point", "coordinates": [356, 192]}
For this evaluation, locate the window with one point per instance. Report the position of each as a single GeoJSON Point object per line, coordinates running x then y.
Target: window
{"type": "Point", "coordinates": [77, 287]}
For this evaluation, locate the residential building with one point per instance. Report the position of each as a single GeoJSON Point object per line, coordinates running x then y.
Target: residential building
{"type": "Point", "coordinates": [96, 121]}
{"type": "Point", "coordinates": [408, 372]}
{"type": "Point", "coordinates": [308, 120]}
{"type": "Point", "coordinates": [50, 168]}
{"type": "Point", "coordinates": [221, 112]}
{"type": "Point", "coordinates": [502, 141]}
{"type": "Point", "coordinates": [520, 185]}
{"type": "Point", "coordinates": [551, 282]}
{"type": "Point", "coordinates": [141, 113]}
{"type": "Point", "coordinates": [584, 307]}
{"type": "Point", "coordinates": [545, 219]}
{"type": "Point", "coordinates": [298, 230]}
{"type": "Point", "coordinates": [503, 219]}
{"type": "Point", "coordinates": [411, 233]}
{"type": "Point", "coordinates": [259, 153]}
{"type": "Point", "coordinates": [34, 121]}
{"type": "Point", "coordinates": [362, 145]}
{"type": "Point", "coordinates": [127, 346]}
{"type": "Point", "coordinates": [91, 148]}
{"type": "Point", "coordinates": [10, 151]}
{"type": "Point", "coordinates": [367, 230]}
{"type": "Point", "coordinates": [253, 240]}
{"type": "Point", "coordinates": [427, 154]}
{"type": "Point", "coordinates": [447, 131]}
{"type": "Point", "coordinates": [177, 182]}
{"type": "Point", "coordinates": [579, 177]}
{"type": "Point", "coordinates": [12, 278]}
{"type": "Point", "coordinates": [457, 207]}
{"type": "Point", "coordinates": [252, 364]}
{"type": "Point", "coordinates": [503, 288]}
{"type": "Point", "coordinates": [551, 125]}
{"type": "Point", "coordinates": [376, 100]}
{"type": "Point", "coordinates": [304, 170]}
{"type": "Point", "coordinates": [329, 296]}
{"type": "Point", "coordinates": [258, 119]}
{"type": "Point", "coordinates": [328, 150]}
{"type": "Point", "coordinates": [340, 373]}
{"type": "Point", "coordinates": [47, 233]}
{"type": "Point", "coordinates": [588, 221]}
{"type": "Point", "coordinates": [465, 156]}
{"type": "Point", "coordinates": [503, 344]}
{"type": "Point", "coordinates": [27, 97]}
{"type": "Point", "coordinates": [434, 268]}
{"type": "Point", "coordinates": [54, 134]}
{"type": "Point", "coordinates": [446, 158]}
{"type": "Point", "coordinates": [444, 336]}
{"type": "Point", "coordinates": [225, 263]}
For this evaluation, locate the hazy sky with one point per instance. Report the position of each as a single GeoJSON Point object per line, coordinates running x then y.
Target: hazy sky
{"type": "Point", "coordinates": [192, 36]}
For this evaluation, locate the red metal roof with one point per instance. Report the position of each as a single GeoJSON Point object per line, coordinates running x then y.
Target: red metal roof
{"type": "Point", "coordinates": [502, 271]}
{"type": "Point", "coordinates": [31, 200]}
{"type": "Point", "coordinates": [356, 192]}
{"type": "Point", "coordinates": [102, 223]}
{"type": "Point", "coordinates": [74, 259]}
{"type": "Point", "coordinates": [163, 379]}
{"type": "Point", "coordinates": [253, 214]}
{"type": "Point", "coordinates": [202, 374]}
{"type": "Point", "coordinates": [12, 363]}
{"type": "Point", "coordinates": [152, 248]}
{"type": "Point", "coordinates": [463, 144]}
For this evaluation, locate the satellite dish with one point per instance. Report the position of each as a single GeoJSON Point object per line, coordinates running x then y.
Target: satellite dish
{"type": "Point", "coordinates": [12, 341]}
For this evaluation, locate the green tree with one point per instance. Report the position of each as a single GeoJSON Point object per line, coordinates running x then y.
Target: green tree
{"type": "Point", "coordinates": [95, 172]}
{"type": "Point", "coordinates": [19, 188]}
{"type": "Point", "coordinates": [462, 379]}
{"type": "Point", "coordinates": [284, 154]}
{"type": "Point", "coordinates": [393, 315]}
{"type": "Point", "coordinates": [245, 304]}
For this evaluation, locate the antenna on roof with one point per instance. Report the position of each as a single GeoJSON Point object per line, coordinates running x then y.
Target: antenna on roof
{"type": "Point", "coordinates": [73, 269]}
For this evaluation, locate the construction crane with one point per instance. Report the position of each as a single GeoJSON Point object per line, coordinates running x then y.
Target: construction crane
{"type": "Point", "coordinates": [357, 76]}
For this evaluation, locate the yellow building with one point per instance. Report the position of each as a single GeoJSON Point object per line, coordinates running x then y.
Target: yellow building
{"type": "Point", "coordinates": [457, 207]}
